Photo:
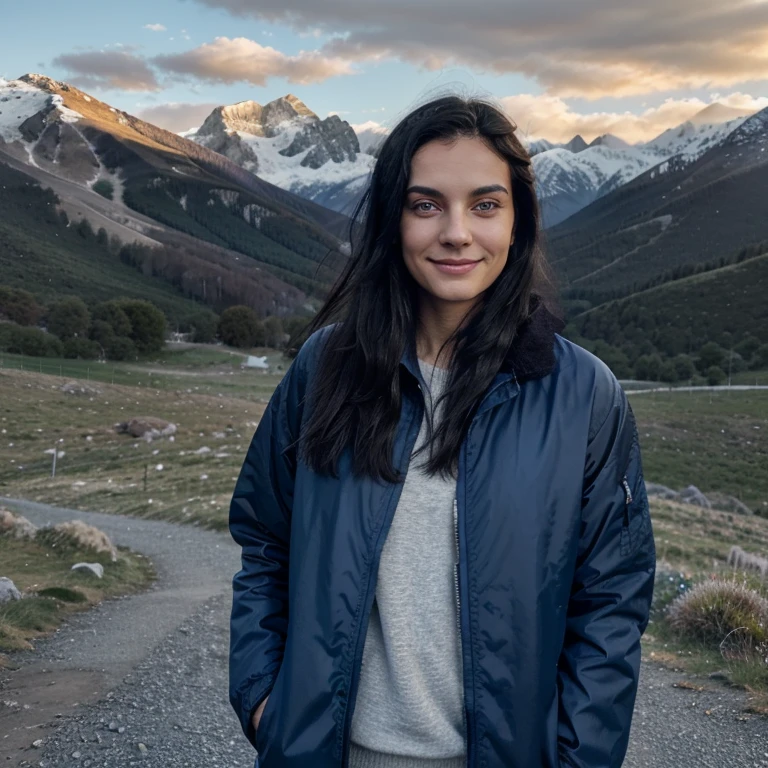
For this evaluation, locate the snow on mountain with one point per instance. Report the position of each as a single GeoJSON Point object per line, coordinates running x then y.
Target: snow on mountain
{"type": "Point", "coordinates": [286, 144]}
{"type": "Point", "coordinates": [19, 101]}
{"type": "Point", "coordinates": [691, 139]}
{"type": "Point", "coordinates": [567, 181]}
{"type": "Point", "coordinates": [370, 135]}
{"type": "Point", "coordinates": [610, 141]}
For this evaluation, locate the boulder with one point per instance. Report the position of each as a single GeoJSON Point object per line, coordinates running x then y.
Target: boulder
{"type": "Point", "coordinates": [16, 526]}
{"type": "Point", "coordinates": [661, 492]}
{"type": "Point", "coordinates": [79, 388]}
{"type": "Point", "coordinates": [97, 569]}
{"type": "Point", "coordinates": [692, 495]}
{"type": "Point", "coordinates": [8, 590]}
{"type": "Point", "coordinates": [146, 427]}
{"type": "Point", "coordinates": [726, 503]}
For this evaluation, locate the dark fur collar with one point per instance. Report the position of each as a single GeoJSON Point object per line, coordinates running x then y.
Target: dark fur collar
{"type": "Point", "coordinates": [532, 354]}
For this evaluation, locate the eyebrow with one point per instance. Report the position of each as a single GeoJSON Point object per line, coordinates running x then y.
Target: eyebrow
{"type": "Point", "coordinates": [474, 193]}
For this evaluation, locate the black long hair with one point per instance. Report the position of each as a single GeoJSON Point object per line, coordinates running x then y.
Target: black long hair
{"type": "Point", "coordinates": [357, 391]}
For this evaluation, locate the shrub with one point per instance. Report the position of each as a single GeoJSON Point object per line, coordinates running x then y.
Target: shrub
{"type": "Point", "coordinates": [81, 349]}
{"type": "Point", "coordinates": [76, 536]}
{"type": "Point", "coordinates": [104, 188]}
{"type": "Point", "coordinates": [721, 611]}
{"type": "Point", "coordinates": [19, 306]}
{"type": "Point", "coordinates": [120, 348]}
{"type": "Point", "coordinates": [69, 318]}
{"type": "Point", "coordinates": [28, 341]}
{"type": "Point", "coordinates": [715, 376]}
{"type": "Point", "coordinates": [239, 327]}
{"type": "Point", "coordinates": [147, 324]}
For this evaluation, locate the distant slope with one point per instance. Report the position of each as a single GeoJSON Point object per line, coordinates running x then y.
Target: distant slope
{"type": "Point", "coordinates": [681, 316]}
{"type": "Point", "coordinates": [169, 179]}
{"type": "Point", "coordinates": [676, 214]}
{"type": "Point", "coordinates": [39, 253]}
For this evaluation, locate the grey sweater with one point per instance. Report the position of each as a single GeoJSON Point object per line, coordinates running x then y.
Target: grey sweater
{"type": "Point", "coordinates": [409, 711]}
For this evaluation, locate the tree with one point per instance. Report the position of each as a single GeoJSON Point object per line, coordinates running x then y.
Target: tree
{"type": "Point", "coordinates": [715, 376]}
{"type": "Point", "coordinates": [19, 306]}
{"type": "Point", "coordinates": [147, 324]}
{"type": "Point", "coordinates": [668, 372]}
{"type": "Point", "coordinates": [760, 358]}
{"type": "Point", "coordinates": [203, 326]}
{"type": "Point", "coordinates": [120, 348]}
{"type": "Point", "coordinates": [684, 367]}
{"type": "Point", "coordinates": [111, 313]}
{"type": "Point", "coordinates": [81, 349]}
{"type": "Point", "coordinates": [69, 318]}
{"type": "Point", "coordinates": [710, 355]}
{"type": "Point", "coordinates": [273, 332]}
{"type": "Point", "coordinates": [239, 326]}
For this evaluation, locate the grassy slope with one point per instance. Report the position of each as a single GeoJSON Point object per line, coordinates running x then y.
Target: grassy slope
{"type": "Point", "coordinates": [729, 299]}
{"type": "Point", "coordinates": [41, 255]}
{"type": "Point", "coordinates": [717, 441]}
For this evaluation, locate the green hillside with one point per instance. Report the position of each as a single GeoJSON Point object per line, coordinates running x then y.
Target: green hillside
{"type": "Point", "coordinates": [727, 307]}
{"type": "Point", "coordinates": [40, 253]}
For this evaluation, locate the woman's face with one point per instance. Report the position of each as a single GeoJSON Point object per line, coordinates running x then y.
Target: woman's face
{"type": "Point", "coordinates": [457, 220]}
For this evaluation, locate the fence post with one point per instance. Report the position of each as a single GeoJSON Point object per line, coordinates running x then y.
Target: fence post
{"type": "Point", "coordinates": [53, 469]}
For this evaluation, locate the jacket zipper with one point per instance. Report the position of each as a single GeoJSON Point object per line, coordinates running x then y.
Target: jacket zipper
{"type": "Point", "coordinates": [458, 602]}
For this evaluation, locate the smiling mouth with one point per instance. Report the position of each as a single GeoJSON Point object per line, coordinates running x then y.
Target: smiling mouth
{"type": "Point", "coordinates": [455, 266]}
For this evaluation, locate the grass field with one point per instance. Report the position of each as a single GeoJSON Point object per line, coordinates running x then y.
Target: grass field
{"type": "Point", "coordinates": [717, 441]}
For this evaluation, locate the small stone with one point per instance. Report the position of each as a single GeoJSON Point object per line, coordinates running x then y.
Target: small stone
{"type": "Point", "coordinates": [112, 726]}
{"type": "Point", "coordinates": [37, 743]}
{"type": "Point", "coordinates": [75, 755]}
{"type": "Point", "coordinates": [142, 748]}
{"type": "Point", "coordinates": [121, 729]}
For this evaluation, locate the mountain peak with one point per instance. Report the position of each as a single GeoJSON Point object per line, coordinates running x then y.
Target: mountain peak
{"type": "Point", "coordinates": [717, 113]}
{"type": "Point", "coordinates": [576, 144]}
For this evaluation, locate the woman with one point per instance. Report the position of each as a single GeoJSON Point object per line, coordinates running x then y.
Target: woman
{"type": "Point", "coordinates": [446, 546]}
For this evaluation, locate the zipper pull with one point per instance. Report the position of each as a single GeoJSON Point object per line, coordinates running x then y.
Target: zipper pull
{"type": "Point", "coordinates": [627, 490]}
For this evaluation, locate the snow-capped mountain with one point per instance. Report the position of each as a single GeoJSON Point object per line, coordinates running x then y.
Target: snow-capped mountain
{"type": "Point", "coordinates": [570, 177]}
{"type": "Point", "coordinates": [370, 135]}
{"type": "Point", "coordinates": [692, 138]}
{"type": "Point", "coordinates": [286, 144]}
{"type": "Point", "coordinates": [567, 182]}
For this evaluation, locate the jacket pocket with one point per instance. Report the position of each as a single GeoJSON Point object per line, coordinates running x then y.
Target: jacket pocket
{"type": "Point", "coordinates": [637, 520]}
{"type": "Point", "coordinates": [263, 735]}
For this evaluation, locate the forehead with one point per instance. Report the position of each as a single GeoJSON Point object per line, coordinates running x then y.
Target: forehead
{"type": "Point", "coordinates": [459, 163]}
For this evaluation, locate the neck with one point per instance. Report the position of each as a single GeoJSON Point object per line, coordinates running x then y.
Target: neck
{"type": "Point", "coordinates": [438, 320]}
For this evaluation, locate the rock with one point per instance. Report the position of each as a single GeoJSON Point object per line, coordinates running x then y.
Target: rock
{"type": "Point", "coordinates": [16, 526]}
{"type": "Point", "coordinates": [8, 590]}
{"type": "Point", "coordinates": [147, 426]}
{"type": "Point", "coordinates": [726, 503]}
{"type": "Point", "coordinates": [37, 743]}
{"type": "Point", "coordinates": [79, 388]}
{"type": "Point", "coordinates": [719, 674]}
{"type": "Point", "coordinates": [661, 492]}
{"type": "Point", "coordinates": [142, 748]}
{"type": "Point", "coordinates": [95, 568]}
{"type": "Point", "coordinates": [692, 495]}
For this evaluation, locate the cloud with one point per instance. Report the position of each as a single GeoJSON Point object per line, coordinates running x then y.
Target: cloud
{"type": "Point", "coordinates": [572, 49]}
{"type": "Point", "coordinates": [552, 118]}
{"type": "Point", "coordinates": [235, 60]}
{"type": "Point", "coordinates": [176, 116]}
{"type": "Point", "coordinates": [121, 70]}
{"type": "Point", "coordinates": [155, 27]}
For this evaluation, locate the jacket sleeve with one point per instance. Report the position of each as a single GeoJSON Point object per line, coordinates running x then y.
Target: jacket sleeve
{"type": "Point", "coordinates": [259, 521]}
{"type": "Point", "coordinates": [611, 593]}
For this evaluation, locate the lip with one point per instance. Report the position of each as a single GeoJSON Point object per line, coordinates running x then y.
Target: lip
{"type": "Point", "coordinates": [459, 267]}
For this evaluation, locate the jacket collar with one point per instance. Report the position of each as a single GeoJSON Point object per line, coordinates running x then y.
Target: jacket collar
{"type": "Point", "coordinates": [532, 354]}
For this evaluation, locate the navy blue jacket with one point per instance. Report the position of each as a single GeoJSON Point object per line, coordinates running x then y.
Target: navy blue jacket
{"type": "Point", "coordinates": [557, 564]}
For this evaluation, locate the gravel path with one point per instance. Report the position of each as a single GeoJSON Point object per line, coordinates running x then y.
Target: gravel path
{"type": "Point", "coordinates": [160, 666]}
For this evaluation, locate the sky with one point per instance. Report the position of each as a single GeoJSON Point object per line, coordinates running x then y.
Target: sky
{"type": "Point", "coordinates": [558, 67]}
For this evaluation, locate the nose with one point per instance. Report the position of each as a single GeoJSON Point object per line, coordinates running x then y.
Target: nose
{"type": "Point", "coordinates": [455, 231]}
